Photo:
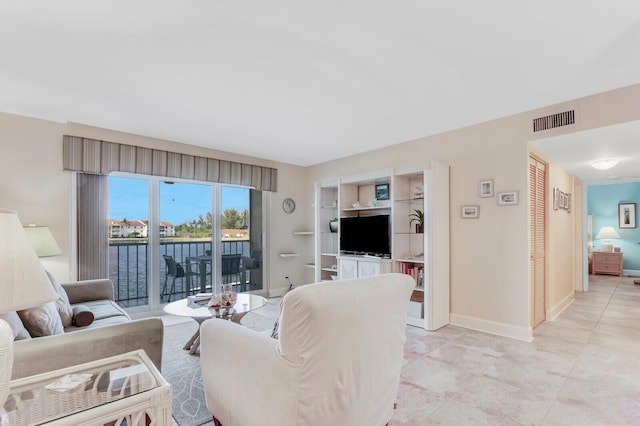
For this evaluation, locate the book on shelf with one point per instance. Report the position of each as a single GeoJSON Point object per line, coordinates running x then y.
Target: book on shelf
{"type": "Point", "coordinates": [415, 271]}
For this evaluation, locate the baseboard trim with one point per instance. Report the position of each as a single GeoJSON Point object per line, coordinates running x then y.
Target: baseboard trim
{"type": "Point", "coordinates": [493, 327]}
{"type": "Point", "coordinates": [554, 313]}
{"type": "Point", "coordinates": [631, 272]}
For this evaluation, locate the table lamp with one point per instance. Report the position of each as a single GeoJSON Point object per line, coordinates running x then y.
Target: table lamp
{"type": "Point", "coordinates": [23, 284]}
{"type": "Point", "coordinates": [42, 241]}
{"type": "Point", "coordinates": [607, 233]}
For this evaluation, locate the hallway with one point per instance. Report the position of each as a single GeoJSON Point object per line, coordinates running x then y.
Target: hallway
{"type": "Point", "coordinates": [581, 369]}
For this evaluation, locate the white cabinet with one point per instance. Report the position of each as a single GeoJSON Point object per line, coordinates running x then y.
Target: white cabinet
{"type": "Point", "coordinates": [348, 269]}
{"type": "Point", "coordinates": [368, 269]}
{"type": "Point", "coordinates": [351, 267]}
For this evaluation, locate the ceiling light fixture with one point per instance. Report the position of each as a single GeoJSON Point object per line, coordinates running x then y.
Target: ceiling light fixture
{"type": "Point", "coordinates": [605, 164]}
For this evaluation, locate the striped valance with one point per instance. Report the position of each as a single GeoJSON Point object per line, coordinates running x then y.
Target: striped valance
{"type": "Point", "coordinates": [101, 157]}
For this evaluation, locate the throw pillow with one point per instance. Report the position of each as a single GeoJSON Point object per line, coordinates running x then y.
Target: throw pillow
{"type": "Point", "coordinates": [82, 316]}
{"type": "Point", "coordinates": [19, 332]}
{"type": "Point", "coordinates": [62, 303]}
{"type": "Point", "coordinates": [42, 321]}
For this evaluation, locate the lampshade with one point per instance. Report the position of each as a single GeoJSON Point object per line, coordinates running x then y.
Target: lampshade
{"type": "Point", "coordinates": [42, 241]}
{"type": "Point", "coordinates": [23, 281]}
{"type": "Point", "coordinates": [23, 284]}
{"type": "Point", "coordinates": [607, 233]}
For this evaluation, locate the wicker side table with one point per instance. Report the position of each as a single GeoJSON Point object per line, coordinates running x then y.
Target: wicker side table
{"type": "Point", "coordinates": [125, 389]}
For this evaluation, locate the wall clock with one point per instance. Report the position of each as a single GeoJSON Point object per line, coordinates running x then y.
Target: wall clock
{"type": "Point", "coordinates": [288, 205]}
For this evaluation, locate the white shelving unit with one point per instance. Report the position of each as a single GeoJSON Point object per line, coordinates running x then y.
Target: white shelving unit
{"type": "Point", "coordinates": [424, 255]}
{"type": "Point", "coordinates": [326, 242]}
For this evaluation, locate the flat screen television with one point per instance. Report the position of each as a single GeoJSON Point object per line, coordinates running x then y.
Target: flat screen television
{"type": "Point", "coordinates": [365, 235]}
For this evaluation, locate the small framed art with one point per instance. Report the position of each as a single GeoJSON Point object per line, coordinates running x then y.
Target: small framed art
{"type": "Point", "coordinates": [470, 212]}
{"type": "Point", "coordinates": [508, 198]}
{"type": "Point", "coordinates": [486, 188]}
{"type": "Point", "coordinates": [382, 191]}
{"type": "Point", "coordinates": [627, 215]}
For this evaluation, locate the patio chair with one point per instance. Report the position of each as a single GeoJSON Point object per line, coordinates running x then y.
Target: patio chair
{"type": "Point", "coordinates": [174, 270]}
{"type": "Point", "coordinates": [251, 265]}
{"type": "Point", "coordinates": [231, 268]}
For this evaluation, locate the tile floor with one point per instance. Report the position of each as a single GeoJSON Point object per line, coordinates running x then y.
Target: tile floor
{"type": "Point", "coordinates": [581, 369]}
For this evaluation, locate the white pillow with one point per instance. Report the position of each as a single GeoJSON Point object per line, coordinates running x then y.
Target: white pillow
{"type": "Point", "coordinates": [19, 332]}
{"type": "Point", "coordinates": [62, 303]}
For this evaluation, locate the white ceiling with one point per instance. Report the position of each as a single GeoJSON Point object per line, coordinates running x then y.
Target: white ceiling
{"type": "Point", "coordinates": [576, 151]}
{"type": "Point", "coordinates": [307, 82]}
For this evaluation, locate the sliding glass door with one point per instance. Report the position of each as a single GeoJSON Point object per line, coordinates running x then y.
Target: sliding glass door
{"type": "Point", "coordinates": [129, 240]}
{"type": "Point", "coordinates": [185, 232]}
{"type": "Point", "coordinates": [170, 238]}
{"type": "Point", "coordinates": [240, 257]}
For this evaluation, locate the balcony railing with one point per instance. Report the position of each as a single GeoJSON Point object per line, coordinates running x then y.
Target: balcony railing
{"type": "Point", "coordinates": [129, 271]}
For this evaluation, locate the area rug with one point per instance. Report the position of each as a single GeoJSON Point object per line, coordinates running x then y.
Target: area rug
{"type": "Point", "coordinates": [182, 370]}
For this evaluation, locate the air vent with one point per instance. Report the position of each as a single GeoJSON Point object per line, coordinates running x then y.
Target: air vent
{"type": "Point", "coordinates": [552, 121]}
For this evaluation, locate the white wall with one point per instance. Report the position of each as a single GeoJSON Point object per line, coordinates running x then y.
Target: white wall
{"type": "Point", "coordinates": [489, 256]}
{"type": "Point", "coordinates": [33, 183]}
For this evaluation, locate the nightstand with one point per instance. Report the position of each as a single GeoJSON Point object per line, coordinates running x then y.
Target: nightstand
{"type": "Point", "coordinates": [607, 263]}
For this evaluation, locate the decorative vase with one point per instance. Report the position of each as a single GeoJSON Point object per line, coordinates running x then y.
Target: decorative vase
{"type": "Point", "coordinates": [419, 228]}
{"type": "Point", "coordinates": [333, 226]}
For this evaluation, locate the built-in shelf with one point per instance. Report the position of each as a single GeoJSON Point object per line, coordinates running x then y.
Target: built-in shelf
{"type": "Point", "coordinates": [357, 209]}
{"type": "Point", "coordinates": [410, 200]}
{"type": "Point", "coordinates": [303, 233]}
{"type": "Point", "coordinates": [288, 254]}
{"type": "Point", "coordinates": [410, 252]}
{"type": "Point", "coordinates": [421, 260]}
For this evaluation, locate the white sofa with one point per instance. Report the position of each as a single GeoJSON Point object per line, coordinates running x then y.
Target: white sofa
{"type": "Point", "coordinates": [336, 361]}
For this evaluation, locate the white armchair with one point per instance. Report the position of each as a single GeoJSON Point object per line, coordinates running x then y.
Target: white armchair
{"type": "Point", "coordinates": [337, 360]}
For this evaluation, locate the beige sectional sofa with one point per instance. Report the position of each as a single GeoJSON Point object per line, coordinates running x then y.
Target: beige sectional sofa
{"type": "Point", "coordinates": [111, 332]}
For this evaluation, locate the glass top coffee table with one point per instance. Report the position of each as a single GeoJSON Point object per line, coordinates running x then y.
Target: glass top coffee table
{"type": "Point", "coordinates": [199, 312]}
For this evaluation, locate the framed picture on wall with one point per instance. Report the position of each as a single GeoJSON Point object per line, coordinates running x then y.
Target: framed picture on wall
{"type": "Point", "coordinates": [470, 212]}
{"type": "Point", "coordinates": [508, 198]}
{"type": "Point", "coordinates": [486, 188]}
{"type": "Point", "coordinates": [626, 215]}
{"type": "Point", "coordinates": [556, 196]}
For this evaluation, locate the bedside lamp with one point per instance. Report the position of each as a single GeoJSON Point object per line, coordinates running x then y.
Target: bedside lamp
{"type": "Point", "coordinates": [23, 284]}
{"type": "Point", "coordinates": [607, 233]}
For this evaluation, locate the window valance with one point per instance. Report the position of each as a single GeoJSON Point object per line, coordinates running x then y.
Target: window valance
{"type": "Point", "coordinates": [101, 157]}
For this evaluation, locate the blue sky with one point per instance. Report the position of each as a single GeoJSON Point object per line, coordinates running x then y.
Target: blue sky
{"type": "Point", "coordinates": [179, 202]}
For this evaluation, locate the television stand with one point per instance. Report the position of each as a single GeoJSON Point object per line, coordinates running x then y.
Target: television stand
{"type": "Point", "coordinates": [359, 266]}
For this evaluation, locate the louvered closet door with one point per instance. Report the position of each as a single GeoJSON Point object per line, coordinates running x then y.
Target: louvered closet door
{"type": "Point", "coordinates": [537, 191]}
